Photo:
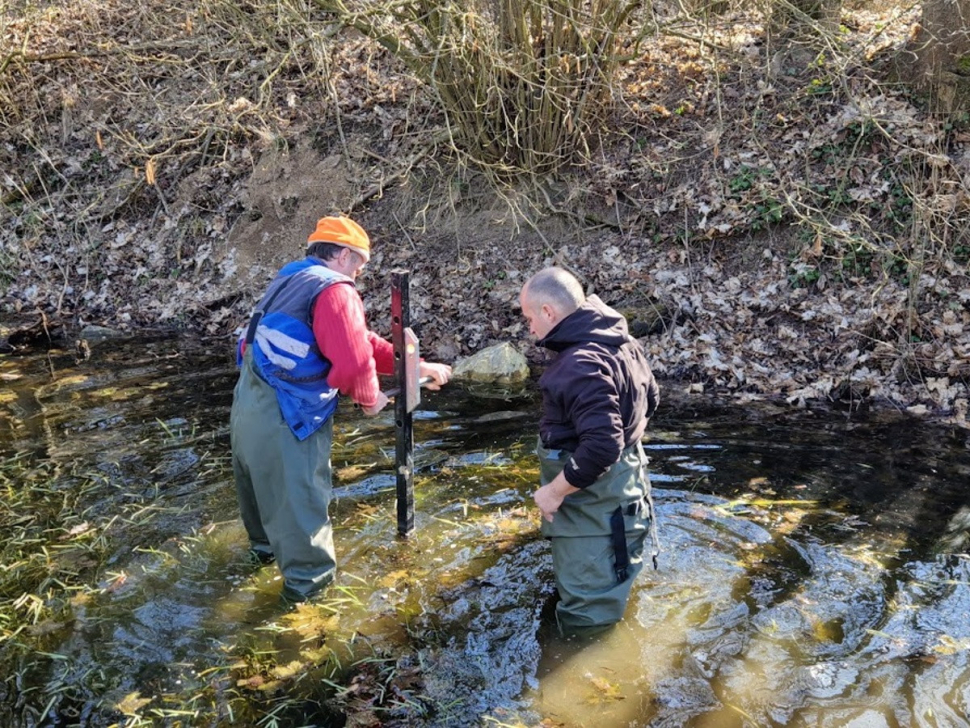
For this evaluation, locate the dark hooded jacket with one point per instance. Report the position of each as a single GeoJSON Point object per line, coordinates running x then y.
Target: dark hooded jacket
{"type": "Point", "coordinates": [599, 392]}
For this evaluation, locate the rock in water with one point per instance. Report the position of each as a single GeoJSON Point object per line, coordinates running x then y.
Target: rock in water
{"type": "Point", "coordinates": [498, 364]}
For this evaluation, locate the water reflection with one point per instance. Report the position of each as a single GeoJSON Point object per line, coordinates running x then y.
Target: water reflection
{"type": "Point", "coordinates": [813, 571]}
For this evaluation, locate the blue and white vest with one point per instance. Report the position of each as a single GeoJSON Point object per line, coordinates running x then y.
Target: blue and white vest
{"type": "Point", "coordinates": [285, 354]}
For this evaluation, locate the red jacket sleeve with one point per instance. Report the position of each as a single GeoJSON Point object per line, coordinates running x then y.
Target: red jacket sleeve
{"type": "Point", "coordinates": [383, 353]}
{"type": "Point", "coordinates": [356, 354]}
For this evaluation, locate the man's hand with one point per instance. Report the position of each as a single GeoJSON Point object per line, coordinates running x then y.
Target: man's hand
{"type": "Point", "coordinates": [380, 404]}
{"type": "Point", "coordinates": [439, 373]}
{"type": "Point", "coordinates": [550, 496]}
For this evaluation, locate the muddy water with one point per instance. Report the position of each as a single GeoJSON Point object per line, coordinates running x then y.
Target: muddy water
{"type": "Point", "coordinates": [813, 571]}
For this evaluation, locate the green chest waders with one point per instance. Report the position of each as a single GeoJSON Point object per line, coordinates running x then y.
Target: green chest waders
{"type": "Point", "coordinates": [283, 485]}
{"type": "Point", "coordinates": [597, 537]}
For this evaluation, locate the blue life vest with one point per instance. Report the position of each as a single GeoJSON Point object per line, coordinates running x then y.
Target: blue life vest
{"type": "Point", "coordinates": [285, 354]}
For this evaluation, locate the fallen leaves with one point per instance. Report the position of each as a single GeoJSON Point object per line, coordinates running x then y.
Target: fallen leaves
{"type": "Point", "coordinates": [131, 704]}
{"type": "Point", "coordinates": [310, 621]}
{"type": "Point", "coordinates": [603, 691]}
{"type": "Point", "coordinates": [687, 180]}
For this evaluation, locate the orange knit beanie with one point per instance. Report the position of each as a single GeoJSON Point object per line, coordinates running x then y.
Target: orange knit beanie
{"type": "Point", "coordinates": [341, 231]}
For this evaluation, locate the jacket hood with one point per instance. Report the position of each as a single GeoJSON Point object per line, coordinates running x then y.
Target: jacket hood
{"type": "Point", "coordinates": [594, 322]}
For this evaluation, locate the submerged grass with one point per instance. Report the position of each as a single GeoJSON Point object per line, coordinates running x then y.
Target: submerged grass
{"type": "Point", "coordinates": [123, 599]}
{"type": "Point", "coordinates": [60, 563]}
{"type": "Point", "coordinates": [50, 542]}
{"type": "Point", "coordinates": [51, 553]}
{"type": "Point", "coordinates": [54, 564]}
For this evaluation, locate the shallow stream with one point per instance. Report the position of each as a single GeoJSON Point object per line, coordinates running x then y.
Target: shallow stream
{"type": "Point", "coordinates": [813, 573]}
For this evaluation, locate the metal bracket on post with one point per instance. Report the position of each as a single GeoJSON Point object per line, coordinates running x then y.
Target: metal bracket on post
{"type": "Point", "coordinates": [405, 370]}
{"type": "Point", "coordinates": [412, 370]}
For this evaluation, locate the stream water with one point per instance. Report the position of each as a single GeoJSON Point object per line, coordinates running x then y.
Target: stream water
{"type": "Point", "coordinates": [813, 573]}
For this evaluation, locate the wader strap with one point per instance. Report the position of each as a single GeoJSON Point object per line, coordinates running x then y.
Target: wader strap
{"type": "Point", "coordinates": [258, 313]}
{"type": "Point", "coordinates": [618, 536]}
{"type": "Point", "coordinates": [654, 535]}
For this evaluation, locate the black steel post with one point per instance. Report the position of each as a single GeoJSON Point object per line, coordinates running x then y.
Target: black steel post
{"type": "Point", "coordinates": [403, 420]}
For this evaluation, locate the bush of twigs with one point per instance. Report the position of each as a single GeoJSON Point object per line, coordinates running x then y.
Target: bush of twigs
{"type": "Point", "coordinates": [523, 83]}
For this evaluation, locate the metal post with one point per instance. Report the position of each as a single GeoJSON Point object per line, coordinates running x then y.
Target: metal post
{"type": "Point", "coordinates": [403, 420]}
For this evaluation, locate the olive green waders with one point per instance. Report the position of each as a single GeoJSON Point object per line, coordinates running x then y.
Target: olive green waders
{"type": "Point", "coordinates": [589, 535]}
{"type": "Point", "coordinates": [284, 486]}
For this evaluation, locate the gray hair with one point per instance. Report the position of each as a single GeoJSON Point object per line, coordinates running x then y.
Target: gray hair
{"type": "Point", "coordinates": [555, 287]}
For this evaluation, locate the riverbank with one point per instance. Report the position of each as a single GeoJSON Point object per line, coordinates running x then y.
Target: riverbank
{"type": "Point", "coordinates": [774, 225]}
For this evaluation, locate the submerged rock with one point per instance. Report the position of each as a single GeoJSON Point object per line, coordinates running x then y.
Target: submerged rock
{"type": "Point", "coordinates": [499, 364]}
{"type": "Point", "coordinates": [96, 334]}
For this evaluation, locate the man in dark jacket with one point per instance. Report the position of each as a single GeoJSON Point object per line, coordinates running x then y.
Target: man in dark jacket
{"type": "Point", "coordinates": [597, 397]}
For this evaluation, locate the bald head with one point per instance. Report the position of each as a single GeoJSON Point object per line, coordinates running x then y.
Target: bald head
{"type": "Point", "coordinates": [556, 287]}
{"type": "Point", "coordinates": [548, 297]}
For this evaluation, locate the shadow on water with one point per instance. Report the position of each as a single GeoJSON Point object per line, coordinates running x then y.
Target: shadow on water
{"type": "Point", "coordinates": [813, 571]}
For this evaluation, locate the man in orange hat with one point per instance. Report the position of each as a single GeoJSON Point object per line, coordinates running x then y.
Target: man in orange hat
{"type": "Point", "coordinates": [307, 342]}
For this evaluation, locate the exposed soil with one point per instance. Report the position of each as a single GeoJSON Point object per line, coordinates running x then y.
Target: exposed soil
{"type": "Point", "coordinates": [774, 225]}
